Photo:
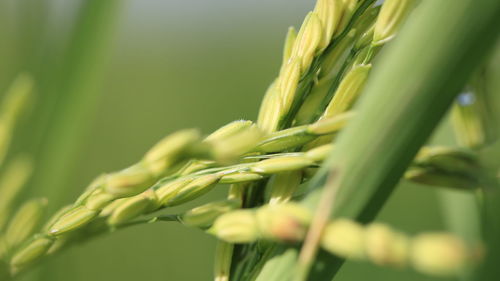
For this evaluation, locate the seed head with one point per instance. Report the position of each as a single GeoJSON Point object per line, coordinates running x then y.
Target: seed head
{"type": "Point", "coordinates": [167, 152]}
{"type": "Point", "coordinates": [308, 41]}
{"type": "Point", "coordinates": [130, 181]}
{"type": "Point", "coordinates": [228, 130]}
{"type": "Point", "coordinates": [289, 42]}
{"type": "Point", "coordinates": [239, 177]}
{"type": "Point", "coordinates": [205, 215]}
{"type": "Point", "coordinates": [196, 165]}
{"type": "Point", "coordinates": [284, 140]}
{"type": "Point", "coordinates": [431, 176]}
{"type": "Point", "coordinates": [331, 124]}
{"type": "Point", "coordinates": [329, 13]}
{"type": "Point", "coordinates": [319, 153]}
{"type": "Point", "coordinates": [283, 222]}
{"type": "Point", "coordinates": [99, 200]}
{"type": "Point", "coordinates": [233, 146]}
{"type": "Point", "coordinates": [438, 254]}
{"type": "Point", "coordinates": [97, 183]}
{"type": "Point", "coordinates": [281, 164]}
{"type": "Point", "coordinates": [334, 59]}
{"type": "Point", "coordinates": [348, 90]}
{"type": "Point", "coordinates": [73, 219]}
{"type": "Point", "coordinates": [344, 238]}
{"type": "Point", "coordinates": [390, 18]}
{"type": "Point", "coordinates": [195, 189]}
{"type": "Point", "coordinates": [34, 250]}
{"type": "Point", "coordinates": [111, 207]}
{"type": "Point", "coordinates": [14, 102]}
{"type": "Point", "coordinates": [449, 159]}
{"type": "Point", "coordinates": [349, 7]}
{"type": "Point", "coordinates": [471, 115]}
{"type": "Point", "coordinates": [133, 207]}
{"type": "Point", "coordinates": [270, 109]}
{"type": "Point", "coordinates": [25, 221]}
{"type": "Point", "coordinates": [288, 81]}
{"type": "Point", "coordinates": [308, 109]}
{"type": "Point", "coordinates": [386, 247]}
{"type": "Point", "coordinates": [165, 191]}
{"type": "Point", "coordinates": [12, 181]}
{"type": "Point", "coordinates": [283, 186]}
{"type": "Point", "coordinates": [238, 226]}
{"type": "Point", "coordinates": [172, 145]}
{"type": "Point", "coordinates": [55, 217]}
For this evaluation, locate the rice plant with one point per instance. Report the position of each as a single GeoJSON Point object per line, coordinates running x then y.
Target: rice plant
{"type": "Point", "coordinates": [362, 86]}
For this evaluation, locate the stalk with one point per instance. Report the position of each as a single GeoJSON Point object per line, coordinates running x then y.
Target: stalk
{"type": "Point", "coordinates": [475, 128]}
{"type": "Point", "coordinates": [78, 93]}
{"type": "Point", "coordinates": [405, 99]}
{"type": "Point", "coordinates": [491, 200]}
{"type": "Point", "coordinates": [76, 89]}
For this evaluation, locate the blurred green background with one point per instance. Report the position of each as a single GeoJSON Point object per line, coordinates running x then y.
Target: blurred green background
{"type": "Point", "coordinates": [113, 77]}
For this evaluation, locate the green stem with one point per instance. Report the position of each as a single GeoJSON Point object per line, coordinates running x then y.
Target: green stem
{"type": "Point", "coordinates": [78, 93]}
{"type": "Point", "coordinates": [75, 88]}
{"type": "Point", "coordinates": [491, 196]}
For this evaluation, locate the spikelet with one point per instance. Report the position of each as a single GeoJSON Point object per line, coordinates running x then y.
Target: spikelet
{"type": "Point", "coordinates": [349, 7]}
{"type": "Point", "coordinates": [130, 181]}
{"type": "Point", "coordinates": [330, 124]}
{"type": "Point", "coordinates": [288, 81]}
{"type": "Point", "coordinates": [344, 238]}
{"type": "Point", "coordinates": [284, 139]}
{"type": "Point", "coordinates": [11, 182]}
{"type": "Point", "coordinates": [281, 164]}
{"type": "Point", "coordinates": [391, 16]}
{"type": "Point", "coordinates": [283, 222]}
{"type": "Point", "coordinates": [470, 116]}
{"type": "Point", "coordinates": [289, 41]}
{"type": "Point", "coordinates": [385, 246]}
{"type": "Point", "coordinates": [319, 153]}
{"type": "Point", "coordinates": [165, 191]}
{"type": "Point", "coordinates": [72, 219]}
{"type": "Point", "coordinates": [439, 254]}
{"type": "Point", "coordinates": [349, 89]}
{"type": "Point", "coordinates": [16, 98]}
{"type": "Point", "coordinates": [238, 226]}
{"type": "Point", "coordinates": [270, 109]}
{"type": "Point", "coordinates": [171, 146]}
{"type": "Point", "coordinates": [240, 177]}
{"type": "Point", "coordinates": [25, 222]}
{"type": "Point", "coordinates": [329, 13]}
{"type": "Point", "coordinates": [32, 251]}
{"type": "Point", "coordinates": [235, 144]}
{"type": "Point", "coordinates": [228, 130]}
{"type": "Point", "coordinates": [194, 189]}
{"type": "Point", "coordinates": [283, 186]}
{"type": "Point", "coordinates": [133, 207]}
{"type": "Point", "coordinates": [308, 40]}
{"type": "Point", "coordinates": [205, 215]}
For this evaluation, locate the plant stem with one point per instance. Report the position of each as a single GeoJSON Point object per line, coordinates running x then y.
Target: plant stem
{"type": "Point", "coordinates": [77, 95]}
{"type": "Point", "coordinates": [76, 92]}
{"type": "Point", "coordinates": [491, 196]}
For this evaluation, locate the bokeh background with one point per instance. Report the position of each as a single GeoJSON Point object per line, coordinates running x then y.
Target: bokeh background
{"type": "Point", "coordinates": [113, 77]}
